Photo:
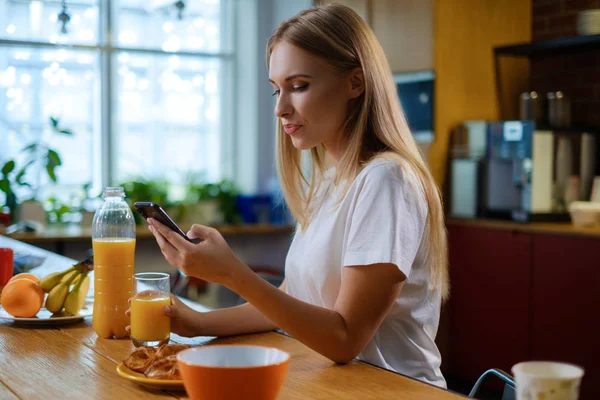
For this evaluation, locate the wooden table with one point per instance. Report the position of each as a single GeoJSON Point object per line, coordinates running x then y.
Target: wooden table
{"type": "Point", "coordinates": [72, 362]}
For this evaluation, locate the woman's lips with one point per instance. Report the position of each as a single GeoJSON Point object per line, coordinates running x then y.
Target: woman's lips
{"type": "Point", "coordinates": [290, 129]}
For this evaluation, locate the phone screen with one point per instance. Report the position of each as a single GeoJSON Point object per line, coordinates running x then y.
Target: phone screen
{"type": "Point", "coordinates": [153, 210]}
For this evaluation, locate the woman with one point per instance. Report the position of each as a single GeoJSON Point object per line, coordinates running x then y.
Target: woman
{"type": "Point", "coordinates": [367, 271]}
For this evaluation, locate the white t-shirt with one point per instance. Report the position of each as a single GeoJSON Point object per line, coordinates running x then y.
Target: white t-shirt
{"type": "Point", "coordinates": [381, 219]}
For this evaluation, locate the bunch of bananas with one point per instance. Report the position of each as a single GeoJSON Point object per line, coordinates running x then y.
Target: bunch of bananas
{"type": "Point", "coordinates": [68, 289]}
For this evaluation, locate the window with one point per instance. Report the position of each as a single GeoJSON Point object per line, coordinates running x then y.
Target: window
{"type": "Point", "coordinates": [143, 91]}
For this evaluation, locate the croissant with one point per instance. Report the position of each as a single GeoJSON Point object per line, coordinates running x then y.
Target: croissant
{"type": "Point", "coordinates": [140, 359]}
{"type": "Point", "coordinates": [167, 350]}
{"type": "Point", "coordinates": [165, 369]}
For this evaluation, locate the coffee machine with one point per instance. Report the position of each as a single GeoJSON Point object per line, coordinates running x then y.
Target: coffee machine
{"type": "Point", "coordinates": [518, 173]}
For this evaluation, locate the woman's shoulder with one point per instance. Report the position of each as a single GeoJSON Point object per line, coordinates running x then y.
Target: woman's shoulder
{"type": "Point", "coordinates": [384, 170]}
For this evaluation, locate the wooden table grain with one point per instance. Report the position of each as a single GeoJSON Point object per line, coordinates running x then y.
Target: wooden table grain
{"type": "Point", "coordinates": [71, 362]}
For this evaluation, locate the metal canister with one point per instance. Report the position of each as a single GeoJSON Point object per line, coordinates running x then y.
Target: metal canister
{"type": "Point", "coordinates": [559, 109]}
{"type": "Point", "coordinates": [531, 107]}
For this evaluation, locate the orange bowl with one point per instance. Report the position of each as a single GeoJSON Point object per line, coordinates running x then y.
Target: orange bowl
{"type": "Point", "coordinates": [233, 372]}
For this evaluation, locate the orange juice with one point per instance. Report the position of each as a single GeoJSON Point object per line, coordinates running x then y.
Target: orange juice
{"type": "Point", "coordinates": [148, 320]}
{"type": "Point", "coordinates": [113, 285]}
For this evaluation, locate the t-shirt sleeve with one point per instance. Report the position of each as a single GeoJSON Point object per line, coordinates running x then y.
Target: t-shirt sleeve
{"type": "Point", "coordinates": [387, 221]}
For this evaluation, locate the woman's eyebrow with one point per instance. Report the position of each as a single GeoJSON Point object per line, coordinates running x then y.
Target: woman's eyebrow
{"type": "Point", "coordinates": [293, 77]}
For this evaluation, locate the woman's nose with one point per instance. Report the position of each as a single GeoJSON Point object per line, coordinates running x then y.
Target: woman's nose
{"type": "Point", "coordinates": [283, 108]}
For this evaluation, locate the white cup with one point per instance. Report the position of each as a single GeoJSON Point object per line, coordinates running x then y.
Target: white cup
{"type": "Point", "coordinates": [547, 380]}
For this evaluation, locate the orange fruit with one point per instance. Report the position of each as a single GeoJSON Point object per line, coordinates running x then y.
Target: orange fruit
{"type": "Point", "coordinates": [22, 298]}
{"type": "Point", "coordinates": [25, 275]}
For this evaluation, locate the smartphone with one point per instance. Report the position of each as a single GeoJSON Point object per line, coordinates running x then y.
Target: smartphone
{"type": "Point", "coordinates": [149, 209]}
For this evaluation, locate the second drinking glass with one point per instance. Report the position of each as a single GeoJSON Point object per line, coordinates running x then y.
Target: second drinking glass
{"type": "Point", "coordinates": [149, 324]}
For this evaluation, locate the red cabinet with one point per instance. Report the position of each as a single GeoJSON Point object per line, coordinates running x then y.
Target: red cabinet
{"type": "Point", "coordinates": [489, 306]}
{"type": "Point", "coordinates": [522, 296]}
{"type": "Point", "coordinates": [566, 305]}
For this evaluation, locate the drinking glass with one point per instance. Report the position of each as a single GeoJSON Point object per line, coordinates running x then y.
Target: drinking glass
{"type": "Point", "coordinates": [149, 324]}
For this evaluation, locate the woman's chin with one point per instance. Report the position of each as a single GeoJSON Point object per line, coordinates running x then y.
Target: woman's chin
{"type": "Point", "coordinates": [300, 144]}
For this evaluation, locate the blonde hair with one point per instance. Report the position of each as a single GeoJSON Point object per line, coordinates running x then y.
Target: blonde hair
{"type": "Point", "coordinates": [375, 126]}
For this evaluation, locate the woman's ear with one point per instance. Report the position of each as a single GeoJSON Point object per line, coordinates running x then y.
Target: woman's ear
{"type": "Point", "coordinates": [357, 83]}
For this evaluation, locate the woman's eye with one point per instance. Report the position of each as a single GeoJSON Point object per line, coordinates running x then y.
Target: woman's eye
{"type": "Point", "coordinates": [300, 88]}
{"type": "Point", "coordinates": [276, 93]}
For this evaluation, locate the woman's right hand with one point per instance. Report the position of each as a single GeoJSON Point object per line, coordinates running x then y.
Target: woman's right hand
{"type": "Point", "coordinates": [184, 320]}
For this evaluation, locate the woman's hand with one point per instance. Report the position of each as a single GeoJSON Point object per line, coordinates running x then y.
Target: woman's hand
{"type": "Point", "coordinates": [211, 260]}
{"type": "Point", "coordinates": [184, 320]}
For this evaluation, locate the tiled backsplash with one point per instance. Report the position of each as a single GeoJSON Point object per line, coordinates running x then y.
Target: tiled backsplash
{"type": "Point", "coordinates": [576, 74]}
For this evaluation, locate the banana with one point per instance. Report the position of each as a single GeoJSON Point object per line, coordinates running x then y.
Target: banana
{"type": "Point", "coordinates": [76, 297]}
{"type": "Point", "coordinates": [69, 275]}
{"type": "Point", "coordinates": [53, 279]}
{"type": "Point", "coordinates": [56, 297]}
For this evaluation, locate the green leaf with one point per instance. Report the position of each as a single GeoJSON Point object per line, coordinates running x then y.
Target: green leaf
{"type": "Point", "coordinates": [66, 132]}
{"type": "Point", "coordinates": [8, 167]}
{"type": "Point", "coordinates": [53, 158]}
{"type": "Point", "coordinates": [54, 122]}
{"type": "Point", "coordinates": [32, 147]}
{"type": "Point", "coordinates": [21, 174]}
{"type": "Point", "coordinates": [4, 185]}
{"type": "Point", "coordinates": [51, 173]}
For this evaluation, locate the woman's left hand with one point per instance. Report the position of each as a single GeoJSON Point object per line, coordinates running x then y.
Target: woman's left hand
{"type": "Point", "coordinates": [211, 260]}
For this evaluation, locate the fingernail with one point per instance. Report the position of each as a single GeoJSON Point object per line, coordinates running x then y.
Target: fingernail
{"type": "Point", "coordinates": [167, 309]}
{"type": "Point", "coordinates": [150, 228]}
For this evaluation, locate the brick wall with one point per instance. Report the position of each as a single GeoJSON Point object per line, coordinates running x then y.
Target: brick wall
{"type": "Point", "coordinates": [576, 74]}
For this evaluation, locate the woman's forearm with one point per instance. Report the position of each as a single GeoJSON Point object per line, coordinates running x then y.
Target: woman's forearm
{"type": "Point", "coordinates": [238, 320]}
{"type": "Point", "coordinates": [234, 321]}
{"type": "Point", "coordinates": [321, 329]}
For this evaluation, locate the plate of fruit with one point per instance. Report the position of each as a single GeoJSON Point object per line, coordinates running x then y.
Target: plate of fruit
{"type": "Point", "coordinates": [58, 298]}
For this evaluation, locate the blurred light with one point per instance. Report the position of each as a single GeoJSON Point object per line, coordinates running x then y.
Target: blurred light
{"type": "Point", "coordinates": [168, 27]}
{"type": "Point", "coordinates": [199, 22]}
{"type": "Point", "coordinates": [143, 84]}
{"type": "Point", "coordinates": [90, 13]}
{"type": "Point", "coordinates": [53, 17]}
{"type": "Point", "coordinates": [89, 75]}
{"type": "Point", "coordinates": [198, 80]}
{"type": "Point", "coordinates": [195, 42]}
{"type": "Point", "coordinates": [130, 81]}
{"type": "Point", "coordinates": [172, 44]}
{"type": "Point", "coordinates": [21, 55]}
{"type": "Point", "coordinates": [211, 30]}
{"type": "Point", "coordinates": [127, 37]}
{"type": "Point", "coordinates": [54, 67]}
{"type": "Point", "coordinates": [123, 70]}
{"type": "Point", "coordinates": [61, 55]}
{"type": "Point", "coordinates": [174, 61]}
{"type": "Point", "coordinates": [76, 19]}
{"type": "Point", "coordinates": [25, 78]}
{"type": "Point", "coordinates": [47, 56]}
{"type": "Point", "coordinates": [212, 113]}
{"type": "Point", "coordinates": [211, 82]}
{"type": "Point", "coordinates": [8, 77]}
{"type": "Point", "coordinates": [86, 35]}
{"type": "Point", "coordinates": [10, 29]}
{"type": "Point", "coordinates": [36, 9]}
{"type": "Point", "coordinates": [47, 73]}
{"type": "Point", "coordinates": [123, 57]}
{"type": "Point", "coordinates": [54, 80]}
{"type": "Point", "coordinates": [85, 59]}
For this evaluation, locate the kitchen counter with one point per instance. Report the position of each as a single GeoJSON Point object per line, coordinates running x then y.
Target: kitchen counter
{"type": "Point", "coordinates": [72, 362]}
{"type": "Point", "coordinates": [78, 233]}
{"type": "Point", "coordinates": [553, 228]}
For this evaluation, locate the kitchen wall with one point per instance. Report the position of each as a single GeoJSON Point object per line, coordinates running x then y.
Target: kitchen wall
{"type": "Point", "coordinates": [465, 33]}
{"type": "Point", "coordinates": [577, 74]}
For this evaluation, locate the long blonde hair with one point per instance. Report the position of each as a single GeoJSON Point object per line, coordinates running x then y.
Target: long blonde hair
{"type": "Point", "coordinates": [375, 126]}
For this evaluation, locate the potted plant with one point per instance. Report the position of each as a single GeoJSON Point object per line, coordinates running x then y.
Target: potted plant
{"type": "Point", "coordinates": [37, 154]}
{"type": "Point", "coordinates": [142, 189]}
{"type": "Point", "coordinates": [212, 203]}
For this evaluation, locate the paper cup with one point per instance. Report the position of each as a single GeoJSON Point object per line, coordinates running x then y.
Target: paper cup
{"type": "Point", "coordinates": [536, 380]}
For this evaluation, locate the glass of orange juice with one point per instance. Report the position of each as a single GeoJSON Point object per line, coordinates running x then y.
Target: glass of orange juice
{"type": "Point", "coordinates": [149, 324]}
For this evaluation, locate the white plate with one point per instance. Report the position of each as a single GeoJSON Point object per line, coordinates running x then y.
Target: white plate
{"type": "Point", "coordinates": [45, 317]}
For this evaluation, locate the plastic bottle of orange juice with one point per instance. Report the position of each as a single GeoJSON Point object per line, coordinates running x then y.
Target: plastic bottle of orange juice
{"type": "Point", "coordinates": [113, 240]}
